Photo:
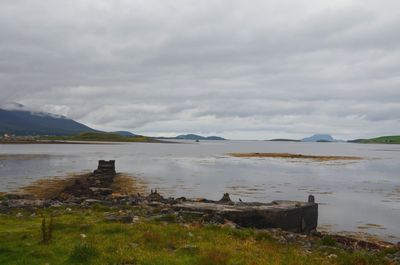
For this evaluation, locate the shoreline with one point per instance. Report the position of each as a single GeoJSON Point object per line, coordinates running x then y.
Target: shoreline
{"type": "Point", "coordinates": [43, 193]}
{"type": "Point", "coordinates": [86, 222]}
{"type": "Point", "coordinates": [80, 142]}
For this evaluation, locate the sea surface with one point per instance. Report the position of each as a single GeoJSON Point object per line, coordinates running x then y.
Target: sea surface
{"type": "Point", "coordinates": [354, 196]}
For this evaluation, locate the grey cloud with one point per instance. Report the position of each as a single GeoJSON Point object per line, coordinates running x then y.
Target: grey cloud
{"type": "Point", "coordinates": [255, 69]}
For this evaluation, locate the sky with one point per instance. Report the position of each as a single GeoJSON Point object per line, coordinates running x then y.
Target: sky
{"type": "Point", "coordinates": [254, 69]}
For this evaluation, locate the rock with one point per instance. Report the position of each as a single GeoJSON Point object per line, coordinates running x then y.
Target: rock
{"type": "Point", "coordinates": [171, 247]}
{"type": "Point", "coordinates": [56, 204]}
{"type": "Point", "coordinates": [315, 233]}
{"type": "Point", "coordinates": [229, 224]}
{"type": "Point", "coordinates": [120, 218]}
{"type": "Point", "coordinates": [180, 199]}
{"type": "Point", "coordinates": [23, 203]}
{"type": "Point", "coordinates": [290, 237]}
{"type": "Point", "coordinates": [154, 196]}
{"type": "Point", "coordinates": [211, 218]}
{"type": "Point", "coordinates": [307, 245]}
{"type": "Point", "coordinates": [133, 245]}
{"type": "Point", "coordinates": [167, 211]}
{"type": "Point", "coordinates": [15, 196]}
{"type": "Point", "coordinates": [282, 240]}
{"type": "Point", "coordinates": [225, 198]}
{"type": "Point", "coordinates": [3, 208]}
{"type": "Point", "coordinates": [100, 191]}
{"type": "Point", "coordinates": [190, 248]}
{"type": "Point", "coordinates": [91, 201]}
{"type": "Point", "coordinates": [332, 256]}
{"type": "Point", "coordinates": [155, 204]}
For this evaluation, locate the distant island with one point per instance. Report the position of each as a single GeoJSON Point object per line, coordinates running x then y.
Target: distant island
{"type": "Point", "coordinates": [319, 138]}
{"type": "Point", "coordinates": [193, 137]}
{"type": "Point", "coordinates": [326, 138]}
{"type": "Point", "coordinates": [284, 140]}
{"type": "Point", "coordinates": [316, 138]}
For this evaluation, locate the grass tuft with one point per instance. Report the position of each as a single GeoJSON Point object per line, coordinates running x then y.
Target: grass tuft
{"type": "Point", "coordinates": [83, 253]}
{"type": "Point", "coordinates": [214, 257]}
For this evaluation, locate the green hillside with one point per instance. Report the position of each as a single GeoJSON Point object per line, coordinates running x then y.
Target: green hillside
{"type": "Point", "coordinates": [394, 139]}
{"type": "Point", "coordinates": [101, 137]}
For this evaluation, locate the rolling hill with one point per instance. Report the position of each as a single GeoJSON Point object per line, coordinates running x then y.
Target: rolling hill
{"type": "Point", "coordinates": [393, 139]}
{"type": "Point", "coordinates": [101, 137]}
{"type": "Point", "coordinates": [22, 122]}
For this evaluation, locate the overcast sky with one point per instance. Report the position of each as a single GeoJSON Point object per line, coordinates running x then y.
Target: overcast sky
{"type": "Point", "coordinates": [240, 69]}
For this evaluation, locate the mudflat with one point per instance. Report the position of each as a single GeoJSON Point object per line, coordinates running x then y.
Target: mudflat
{"type": "Point", "coordinates": [295, 156]}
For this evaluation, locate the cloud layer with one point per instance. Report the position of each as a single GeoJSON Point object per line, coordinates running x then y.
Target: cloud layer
{"type": "Point", "coordinates": [242, 69]}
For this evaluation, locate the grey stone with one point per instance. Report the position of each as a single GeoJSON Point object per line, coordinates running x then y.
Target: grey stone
{"type": "Point", "coordinates": [100, 191]}
{"type": "Point", "coordinates": [225, 198]}
{"type": "Point", "coordinates": [91, 201]}
{"type": "Point", "coordinates": [288, 215]}
{"type": "Point", "coordinates": [120, 218]}
{"type": "Point", "coordinates": [23, 203]}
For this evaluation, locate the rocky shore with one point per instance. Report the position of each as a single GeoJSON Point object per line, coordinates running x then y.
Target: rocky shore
{"type": "Point", "coordinates": [94, 189]}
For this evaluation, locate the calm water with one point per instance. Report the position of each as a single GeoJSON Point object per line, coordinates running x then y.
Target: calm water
{"type": "Point", "coordinates": [353, 195]}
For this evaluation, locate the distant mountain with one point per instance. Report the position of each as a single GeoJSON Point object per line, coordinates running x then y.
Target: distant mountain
{"type": "Point", "coordinates": [101, 137]}
{"type": "Point", "coordinates": [394, 139]}
{"type": "Point", "coordinates": [125, 133]}
{"type": "Point", "coordinates": [19, 121]}
{"type": "Point", "coordinates": [197, 137]}
{"type": "Point", "coordinates": [319, 138]}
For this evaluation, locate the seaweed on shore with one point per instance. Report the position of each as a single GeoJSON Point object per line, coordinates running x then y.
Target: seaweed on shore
{"type": "Point", "coordinates": [319, 158]}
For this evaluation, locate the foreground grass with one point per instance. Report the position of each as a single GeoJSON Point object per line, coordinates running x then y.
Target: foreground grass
{"type": "Point", "coordinates": [81, 236]}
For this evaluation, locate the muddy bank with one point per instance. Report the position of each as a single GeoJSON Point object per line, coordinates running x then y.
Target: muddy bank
{"type": "Point", "coordinates": [24, 157]}
{"type": "Point", "coordinates": [295, 156]}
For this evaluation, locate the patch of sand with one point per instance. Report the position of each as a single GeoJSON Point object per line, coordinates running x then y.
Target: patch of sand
{"type": "Point", "coordinates": [24, 157]}
{"type": "Point", "coordinates": [50, 188]}
{"type": "Point", "coordinates": [295, 156]}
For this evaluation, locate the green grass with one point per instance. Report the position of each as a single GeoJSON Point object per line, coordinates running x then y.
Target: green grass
{"type": "Point", "coordinates": [99, 137]}
{"type": "Point", "coordinates": [81, 236]}
{"type": "Point", "coordinates": [395, 139]}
